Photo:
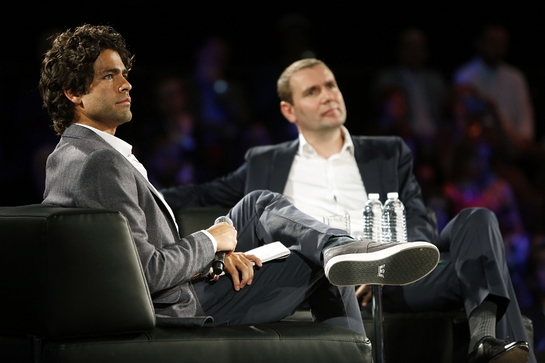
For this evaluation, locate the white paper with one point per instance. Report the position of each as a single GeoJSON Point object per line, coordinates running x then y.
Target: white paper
{"type": "Point", "coordinates": [270, 251]}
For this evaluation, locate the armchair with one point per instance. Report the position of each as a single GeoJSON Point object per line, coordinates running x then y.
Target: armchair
{"type": "Point", "coordinates": [73, 290]}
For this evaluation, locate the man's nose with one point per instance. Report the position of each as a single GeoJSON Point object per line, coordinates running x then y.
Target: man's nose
{"type": "Point", "coordinates": [328, 95]}
{"type": "Point", "coordinates": [125, 86]}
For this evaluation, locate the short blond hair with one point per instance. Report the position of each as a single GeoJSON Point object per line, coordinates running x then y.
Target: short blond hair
{"type": "Point", "coordinates": [283, 83]}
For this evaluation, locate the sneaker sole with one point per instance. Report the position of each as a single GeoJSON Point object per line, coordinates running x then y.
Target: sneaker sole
{"type": "Point", "coordinates": [398, 265]}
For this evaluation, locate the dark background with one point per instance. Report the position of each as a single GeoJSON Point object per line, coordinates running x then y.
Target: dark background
{"type": "Point", "coordinates": [354, 33]}
{"type": "Point", "coordinates": [354, 38]}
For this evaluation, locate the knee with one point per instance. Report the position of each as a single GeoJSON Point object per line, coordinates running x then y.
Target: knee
{"type": "Point", "coordinates": [253, 195]}
{"type": "Point", "coordinates": [262, 197]}
{"type": "Point", "coordinates": [479, 215]}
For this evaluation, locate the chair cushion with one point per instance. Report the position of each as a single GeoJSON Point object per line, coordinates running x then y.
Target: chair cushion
{"type": "Point", "coordinates": [298, 342]}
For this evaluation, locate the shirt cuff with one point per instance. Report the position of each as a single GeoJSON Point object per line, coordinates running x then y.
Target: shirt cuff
{"type": "Point", "coordinates": [214, 242]}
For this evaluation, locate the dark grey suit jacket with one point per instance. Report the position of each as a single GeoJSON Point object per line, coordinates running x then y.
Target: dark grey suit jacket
{"type": "Point", "coordinates": [385, 165]}
{"type": "Point", "coordinates": [85, 171]}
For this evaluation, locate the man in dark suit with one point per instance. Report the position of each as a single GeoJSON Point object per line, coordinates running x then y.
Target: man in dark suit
{"type": "Point", "coordinates": [327, 171]}
{"type": "Point", "coordinates": [86, 91]}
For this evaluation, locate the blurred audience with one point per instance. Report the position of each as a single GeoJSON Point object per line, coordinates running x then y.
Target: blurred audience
{"type": "Point", "coordinates": [412, 92]}
{"type": "Point", "coordinates": [291, 41]}
{"type": "Point", "coordinates": [199, 124]}
{"type": "Point", "coordinates": [500, 83]}
{"type": "Point", "coordinates": [473, 183]}
{"type": "Point", "coordinates": [171, 157]}
{"type": "Point", "coordinates": [411, 99]}
{"type": "Point", "coordinates": [221, 106]}
{"type": "Point", "coordinates": [500, 90]}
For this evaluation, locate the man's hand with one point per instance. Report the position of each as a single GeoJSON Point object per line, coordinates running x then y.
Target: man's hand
{"type": "Point", "coordinates": [225, 235]}
{"type": "Point", "coordinates": [364, 293]}
{"type": "Point", "coordinates": [241, 268]}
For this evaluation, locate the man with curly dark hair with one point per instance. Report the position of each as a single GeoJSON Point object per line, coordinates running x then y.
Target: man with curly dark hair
{"type": "Point", "coordinates": [68, 65]}
{"type": "Point", "coordinates": [85, 88]}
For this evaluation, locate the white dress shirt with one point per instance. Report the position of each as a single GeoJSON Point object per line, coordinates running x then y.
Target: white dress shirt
{"type": "Point", "coordinates": [324, 187]}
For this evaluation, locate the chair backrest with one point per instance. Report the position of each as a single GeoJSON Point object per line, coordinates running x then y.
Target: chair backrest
{"type": "Point", "coordinates": [70, 272]}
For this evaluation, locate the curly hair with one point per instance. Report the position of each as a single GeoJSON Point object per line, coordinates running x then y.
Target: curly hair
{"type": "Point", "coordinates": [283, 84]}
{"type": "Point", "coordinates": [68, 65]}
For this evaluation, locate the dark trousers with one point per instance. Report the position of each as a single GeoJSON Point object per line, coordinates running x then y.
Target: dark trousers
{"type": "Point", "coordinates": [280, 286]}
{"type": "Point", "coordinates": [472, 268]}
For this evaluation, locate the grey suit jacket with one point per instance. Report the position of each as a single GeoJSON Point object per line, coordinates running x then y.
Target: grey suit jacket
{"type": "Point", "coordinates": [85, 171]}
{"type": "Point", "coordinates": [385, 165]}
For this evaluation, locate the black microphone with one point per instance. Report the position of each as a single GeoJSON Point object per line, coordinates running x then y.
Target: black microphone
{"type": "Point", "coordinates": [219, 260]}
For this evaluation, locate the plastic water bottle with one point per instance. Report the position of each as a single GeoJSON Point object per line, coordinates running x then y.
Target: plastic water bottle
{"type": "Point", "coordinates": [372, 218]}
{"type": "Point", "coordinates": [394, 224]}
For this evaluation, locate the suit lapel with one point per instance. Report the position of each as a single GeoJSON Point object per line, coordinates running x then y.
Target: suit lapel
{"type": "Point", "coordinates": [281, 166]}
{"type": "Point", "coordinates": [81, 132]}
{"type": "Point", "coordinates": [369, 168]}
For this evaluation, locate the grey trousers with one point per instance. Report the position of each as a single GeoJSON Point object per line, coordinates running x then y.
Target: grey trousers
{"type": "Point", "coordinates": [280, 286]}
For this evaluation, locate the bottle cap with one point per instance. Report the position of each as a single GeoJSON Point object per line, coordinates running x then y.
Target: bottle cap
{"type": "Point", "coordinates": [374, 196]}
{"type": "Point", "coordinates": [392, 195]}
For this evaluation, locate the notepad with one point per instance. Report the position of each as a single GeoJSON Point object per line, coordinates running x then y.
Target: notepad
{"type": "Point", "coordinates": [270, 251]}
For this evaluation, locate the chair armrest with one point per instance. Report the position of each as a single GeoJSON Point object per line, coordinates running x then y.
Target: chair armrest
{"type": "Point", "coordinates": [70, 272]}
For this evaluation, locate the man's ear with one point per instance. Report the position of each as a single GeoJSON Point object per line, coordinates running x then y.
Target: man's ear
{"type": "Point", "coordinates": [74, 97]}
{"type": "Point", "coordinates": [287, 110]}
